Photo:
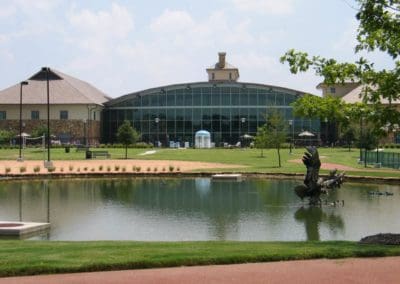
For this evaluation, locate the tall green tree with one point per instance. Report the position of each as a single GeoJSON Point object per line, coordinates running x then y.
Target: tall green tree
{"type": "Point", "coordinates": [6, 136]}
{"type": "Point", "coordinates": [272, 134]}
{"type": "Point", "coordinates": [127, 135]}
{"type": "Point", "coordinates": [261, 139]}
{"type": "Point", "coordinates": [379, 29]}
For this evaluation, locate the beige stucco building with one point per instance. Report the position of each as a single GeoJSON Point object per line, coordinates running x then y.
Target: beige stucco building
{"type": "Point", "coordinates": [75, 106]}
{"type": "Point", "coordinates": [351, 92]}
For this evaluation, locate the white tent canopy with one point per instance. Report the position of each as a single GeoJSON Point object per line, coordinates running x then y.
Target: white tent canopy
{"type": "Point", "coordinates": [306, 134]}
{"type": "Point", "coordinates": [202, 139]}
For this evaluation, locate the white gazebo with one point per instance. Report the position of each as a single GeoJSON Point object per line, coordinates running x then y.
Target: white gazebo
{"type": "Point", "coordinates": [202, 139]}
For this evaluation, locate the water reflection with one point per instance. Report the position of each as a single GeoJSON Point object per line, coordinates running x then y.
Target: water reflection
{"type": "Point", "coordinates": [193, 209]}
{"type": "Point", "coordinates": [313, 217]}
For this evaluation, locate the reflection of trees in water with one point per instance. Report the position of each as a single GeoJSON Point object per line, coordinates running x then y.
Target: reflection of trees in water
{"type": "Point", "coordinates": [313, 217]}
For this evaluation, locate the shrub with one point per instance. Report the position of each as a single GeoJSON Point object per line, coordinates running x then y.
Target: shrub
{"type": "Point", "coordinates": [138, 169]}
{"type": "Point", "coordinates": [85, 168]}
{"type": "Point", "coordinates": [100, 168]}
{"type": "Point", "coordinates": [148, 169]}
{"type": "Point", "coordinates": [78, 169]}
{"type": "Point", "coordinates": [108, 168]}
{"type": "Point", "coordinates": [8, 170]}
{"type": "Point", "coordinates": [116, 168]}
{"type": "Point", "coordinates": [155, 169]}
{"type": "Point", "coordinates": [51, 169]}
{"type": "Point", "coordinates": [22, 169]}
{"type": "Point", "coordinates": [178, 169]}
{"type": "Point", "coordinates": [163, 169]}
{"type": "Point", "coordinates": [61, 169]}
{"type": "Point", "coordinates": [92, 169]}
{"type": "Point", "coordinates": [171, 168]}
{"type": "Point", "coordinates": [71, 168]}
{"type": "Point", "coordinates": [123, 169]}
{"type": "Point", "coordinates": [36, 169]}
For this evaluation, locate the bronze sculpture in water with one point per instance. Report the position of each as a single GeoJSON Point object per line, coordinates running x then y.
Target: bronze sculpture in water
{"type": "Point", "coordinates": [314, 186]}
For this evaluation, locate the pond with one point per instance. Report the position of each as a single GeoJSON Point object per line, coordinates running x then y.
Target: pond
{"type": "Point", "coordinates": [188, 209]}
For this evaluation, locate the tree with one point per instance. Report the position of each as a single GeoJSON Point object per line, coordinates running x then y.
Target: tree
{"type": "Point", "coordinates": [6, 136]}
{"type": "Point", "coordinates": [379, 28]}
{"type": "Point", "coordinates": [39, 130]}
{"type": "Point", "coordinates": [127, 135]}
{"type": "Point", "coordinates": [261, 139]}
{"type": "Point", "coordinates": [272, 134]}
{"type": "Point", "coordinates": [328, 108]}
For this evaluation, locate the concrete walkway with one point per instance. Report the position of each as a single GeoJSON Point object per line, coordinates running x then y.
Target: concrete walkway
{"type": "Point", "coordinates": [360, 270]}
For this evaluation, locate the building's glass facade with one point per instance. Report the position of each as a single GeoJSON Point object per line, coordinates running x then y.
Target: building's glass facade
{"type": "Point", "coordinates": [226, 110]}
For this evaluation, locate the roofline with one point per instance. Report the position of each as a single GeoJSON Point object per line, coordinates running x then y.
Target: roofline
{"type": "Point", "coordinates": [185, 85]}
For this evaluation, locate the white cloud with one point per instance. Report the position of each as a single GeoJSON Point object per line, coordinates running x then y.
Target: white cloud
{"type": "Point", "coordinates": [99, 32]}
{"type": "Point", "coordinates": [268, 7]}
{"type": "Point", "coordinates": [172, 21]}
{"type": "Point", "coordinates": [347, 40]}
{"type": "Point", "coordinates": [7, 11]}
{"type": "Point", "coordinates": [29, 6]}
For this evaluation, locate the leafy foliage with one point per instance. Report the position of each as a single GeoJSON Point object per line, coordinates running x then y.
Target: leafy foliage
{"type": "Point", "coordinates": [272, 134]}
{"type": "Point", "coordinates": [127, 135]}
{"type": "Point", "coordinates": [6, 136]}
{"type": "Point", "coordinates": [379, 28]}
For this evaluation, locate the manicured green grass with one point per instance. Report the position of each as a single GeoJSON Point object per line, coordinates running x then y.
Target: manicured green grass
{"type": "Point", "coordinates": [38, 257]}
{"type": "Point", "coordinates": [250, 158]}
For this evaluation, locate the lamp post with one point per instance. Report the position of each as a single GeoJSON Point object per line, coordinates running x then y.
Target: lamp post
{"type": "Point", "coordinates": [23, 83]}
{"type": "Point", "coordinates": [291, 139]}
{"type": "Point", "coordinates": [48, 163]}
{"type": "Point", "coordinates": [157, 120]}
{"type": "Point", "coordinates": [326, 130]}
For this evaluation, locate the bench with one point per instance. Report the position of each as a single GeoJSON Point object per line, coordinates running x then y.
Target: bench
{"type": "Point", "coordinates": [81, 148]}
{"type": "Point", "coordinates": [100, 154]}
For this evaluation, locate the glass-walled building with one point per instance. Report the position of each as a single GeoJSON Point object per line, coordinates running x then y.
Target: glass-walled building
{"type": "Point", "coordinates": [222, 106]}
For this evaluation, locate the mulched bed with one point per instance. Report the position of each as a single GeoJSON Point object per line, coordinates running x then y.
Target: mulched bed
{"type": "Point", "coordinates": [383, 239]}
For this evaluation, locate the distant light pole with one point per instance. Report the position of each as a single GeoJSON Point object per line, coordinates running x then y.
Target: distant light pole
{"type": "Point", "coordinates": [23, 83]}
{"type": "Point", "coordinates": [242, 122]}
{"type": "Point", "coordinates": [291, 139]}
{"type": "Point", "coordinates": [157, 120]}
{"type": "Point", "coordinates": [326, 130]}
{"type": "Point", "coordinates": [48, 163]}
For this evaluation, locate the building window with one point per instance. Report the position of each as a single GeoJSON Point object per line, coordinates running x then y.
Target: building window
{"type": "Point", "coordinates": [230, 76]}
{"type": "Point", "coordinates": [3, 115]}
{"type": "Point", "coordinates": [34, 114]}
{"type": "Point", "coordinates": [94, 115]}
{"type": "Point", "coordinates": [332, 90]}
{"type": "Point", "coordinates": [212, 76]}
{"type": "Point", "coordinates": [63, 114]}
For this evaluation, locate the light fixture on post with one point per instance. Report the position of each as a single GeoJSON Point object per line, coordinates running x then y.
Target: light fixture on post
{"type": "Point", "coordinates": [157, 120]}
{"type": "Point", "coordinates": [326, 131]}
{"type": "Point", "coordinates": [23, 83]}
{"type": "Point", "coordinates": [45, 74]}
{"type": "Point", "coordinates": [242, 121]}
{"type": "Point", "coordinates": [291, 128]}
{"type": "Point", "coordinates": [48, 163]}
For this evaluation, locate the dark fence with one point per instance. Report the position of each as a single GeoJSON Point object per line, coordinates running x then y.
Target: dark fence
{"type": "Point", "coordinates": [384, 159]}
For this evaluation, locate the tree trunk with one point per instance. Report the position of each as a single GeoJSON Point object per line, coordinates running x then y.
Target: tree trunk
{"type": "Point", "coordinates": [279, 156]}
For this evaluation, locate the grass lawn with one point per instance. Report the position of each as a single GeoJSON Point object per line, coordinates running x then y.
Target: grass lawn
{"type": "Point", "coordinates": [251, 158]}
{"type": "Point", "coordinates": [38, 257]}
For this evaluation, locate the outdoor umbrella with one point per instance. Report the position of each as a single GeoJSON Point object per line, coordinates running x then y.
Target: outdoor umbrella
{"type": "Point", "coordinates": [306, 134]}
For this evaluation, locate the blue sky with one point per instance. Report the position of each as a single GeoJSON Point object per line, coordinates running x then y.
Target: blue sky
{"type": "Point", "coordinates": [126, 46]}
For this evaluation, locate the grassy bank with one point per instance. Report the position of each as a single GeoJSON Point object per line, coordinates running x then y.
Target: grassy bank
{"type": "Point", "coordinates": [37, 257]}
{"type": "Point", "coordinates": [250, 158]}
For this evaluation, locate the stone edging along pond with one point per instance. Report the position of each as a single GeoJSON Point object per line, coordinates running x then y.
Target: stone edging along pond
{"type": "Point", "coordinates": [256, 175]}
